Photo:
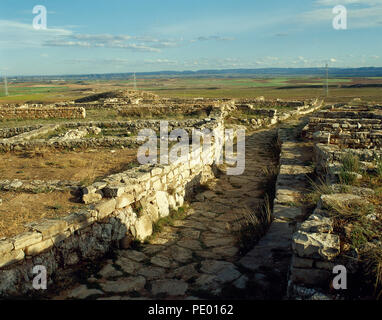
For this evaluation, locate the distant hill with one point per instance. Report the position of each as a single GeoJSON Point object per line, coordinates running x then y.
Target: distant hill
{"type": "Point", "coordinates": [223, 73]}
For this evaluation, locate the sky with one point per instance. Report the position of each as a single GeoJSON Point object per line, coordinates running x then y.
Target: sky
{"type": "Point", "coordinates": [115, 36]}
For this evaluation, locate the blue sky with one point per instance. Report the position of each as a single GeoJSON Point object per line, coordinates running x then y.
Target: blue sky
{"type": "Point", "coordinates": [150, 35]}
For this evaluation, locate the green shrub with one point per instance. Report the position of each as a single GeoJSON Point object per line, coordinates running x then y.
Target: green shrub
{"type": "Point", "coordinates": [351, 163]}
{"type": "Point", "coordinates": [347, 178]}
{"type": "Point", "coordinates": [379, 167]}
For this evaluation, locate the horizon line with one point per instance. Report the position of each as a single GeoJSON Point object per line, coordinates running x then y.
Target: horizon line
{"type": "Point", "coordinates": [185, 71]}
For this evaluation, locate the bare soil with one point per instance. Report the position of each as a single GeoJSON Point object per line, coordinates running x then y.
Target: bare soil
{"type": "Point", "coordinates": [81, 166]}
{"type": "Point", "coordinates": [19, 209]}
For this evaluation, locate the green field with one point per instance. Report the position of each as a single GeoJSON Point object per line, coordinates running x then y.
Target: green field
{"type": "Point", "coordinates": [277, 87]}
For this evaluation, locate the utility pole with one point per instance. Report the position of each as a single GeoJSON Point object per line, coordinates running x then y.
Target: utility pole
{"type": "Point", "coordinates": [135, 82]}
{"type": "Point", "coordinates": [5, 85]}
{"type": "Point", "coordinates": [327, 80]}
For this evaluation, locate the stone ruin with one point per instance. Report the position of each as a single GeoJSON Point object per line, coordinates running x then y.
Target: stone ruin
{"type": "Point", "coordinates": [337, 131]}
{"type": "Point", "coordinates": [123, 205]}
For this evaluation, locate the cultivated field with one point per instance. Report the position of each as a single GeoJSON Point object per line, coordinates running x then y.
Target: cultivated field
{"type": "Point", "coordinates": [341, 89]}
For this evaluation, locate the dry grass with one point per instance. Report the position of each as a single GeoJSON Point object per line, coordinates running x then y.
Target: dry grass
{"type": "Point", "coordinates": [19, 209]}
{"type": "Point", "coordinates": [358, 231]}
{"type": "Point", "coordinates": [253, 225]}
{"type": "Point", "coordinates": [350, 166]}
{"type": "Point", "coordinates": [373, 267]}
{"type": "Point", "coordinates": [316, 190]}
{"type": "Point", "coordinates": [66, 165]}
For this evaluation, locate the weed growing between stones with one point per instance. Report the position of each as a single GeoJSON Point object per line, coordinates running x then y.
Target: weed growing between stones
{"type": "Point", "coordinates": [372, 258]}
{"type": "Point", "coordinates": [359, 226]}
{"type": "Point", "coordinates": [174, 215]}
{"type": "Point", "coordinates": [350, 163]}
{"type": "Point", "coordinates": [255, 225]}
{"type": "Point", "coordinates": [269, 184]}
{"type": "Point", "coordinates": [257, 220]}
{"type": "Point", "coordinates": [378, 167]}
{"type": "Point", "coordinates": [317, 189]}
{"type": "Point", "coordinates": [350, 168]}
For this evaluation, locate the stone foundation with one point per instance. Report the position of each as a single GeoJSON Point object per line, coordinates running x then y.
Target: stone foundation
{"type": "Point", "coordinates": [42, 113]}
{"type": "Point", "coordinates": [122, 205]}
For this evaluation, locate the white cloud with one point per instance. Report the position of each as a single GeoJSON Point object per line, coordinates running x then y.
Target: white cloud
{"type": "Point", "coordinates": [15, 34]}
{"type": "Point", "coordinates": [212, 38]}
{"type": "Point", "coordinates": [111, 61]}
{"type": "Point", "coordinates": [161, 61]}
{"type": "Point", "coordinates": [361, 13]}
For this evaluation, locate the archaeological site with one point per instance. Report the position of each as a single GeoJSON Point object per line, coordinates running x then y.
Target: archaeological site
{"type": "Point", "coordinates": [78, 207]}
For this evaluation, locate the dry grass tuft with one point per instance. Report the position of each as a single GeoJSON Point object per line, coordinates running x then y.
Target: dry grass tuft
{"type": "Point", "coordinates": [372, 258]}
{"type": "Point", "coordinates": [317, 189]}
{"type": "Point", "coordinates": [254, 225]}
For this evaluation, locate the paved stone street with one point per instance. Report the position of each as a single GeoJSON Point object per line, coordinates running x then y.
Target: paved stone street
{"type": "Point", "coordinates": [195, 257]}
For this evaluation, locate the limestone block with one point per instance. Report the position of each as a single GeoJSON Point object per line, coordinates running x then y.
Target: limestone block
{"type": "Point", "coordinates": [99, 185]}
{"type": "Point", "coordinates": [328, 200]}
{"type": "Point", "coordinates": [156, 171]}
{"type": "Point", "coordinates": [179, 200]}
{"type": "Point", "coordinates": [50, 227]}
{"type": "Point", "coordinates": [11, 257]}
{"type": "Point", "coordinates": [61, 237]}
{"type": "Point", "coordinates": [105, 208]}
{"type": "Point", "coordinates": [157, 185]}
{"type": "Point", "coordinates": [152, 211]}
{"type": "Point", "coordinates": [79, 220]}
{"type": "Point", "coordinates": [5, 246]}
{"type": "Point", "coordinates": [317, 223]}
{"type": "Point", "coordinates": [172, 202]}
{"type": "Point", "coordinates": [26, 239]}
{"type": "Point", "coordinates": [285, 212]}
{"type": "Point", "coordinates": [316, 245]}
{"type": "Point", "coordinates": [39, 247]}
{"type": "Point", "coordinates": [124, 200]}
{"type": "Point", "coordinates": [162, 203]}
{"type": "Point", "coordinates": [91, 198]}
{"type": "Point", "coordinates": [321, 137]}
{"type": "Point", "coordinates": [143, 176]}
{"type": "Point", "coordinates": [170, 175]}
{"type": "Point", "coordinates": [143, 227]}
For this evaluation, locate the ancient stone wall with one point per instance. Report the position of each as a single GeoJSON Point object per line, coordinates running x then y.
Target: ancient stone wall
{"type": "Point", "coordinates": [24, 140]}
{"type": "Point", "coordinates": [347, 127]}
{"type": "Point", "coordinates": [260, 103]}
{"type": "Point", "coordinates": [10, 132]}
{"type": "Point", "coordinates": [316, 246]}
{"type": "Point", "coordinates": [42, 113]}
{"type": "Point", "coordinates": [123, 205]}
{"type": "Point", "coordinates": [314, 249]}
{"type": "Point", "coordinates": [269, 117]}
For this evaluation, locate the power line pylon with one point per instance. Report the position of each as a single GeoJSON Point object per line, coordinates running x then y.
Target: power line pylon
{"type": "Point", "coordinates": [327, 80]}
{"type": "Point", "coordinates": [5, 85]}
{"type": "Point", "coordinates": [135, 82]}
